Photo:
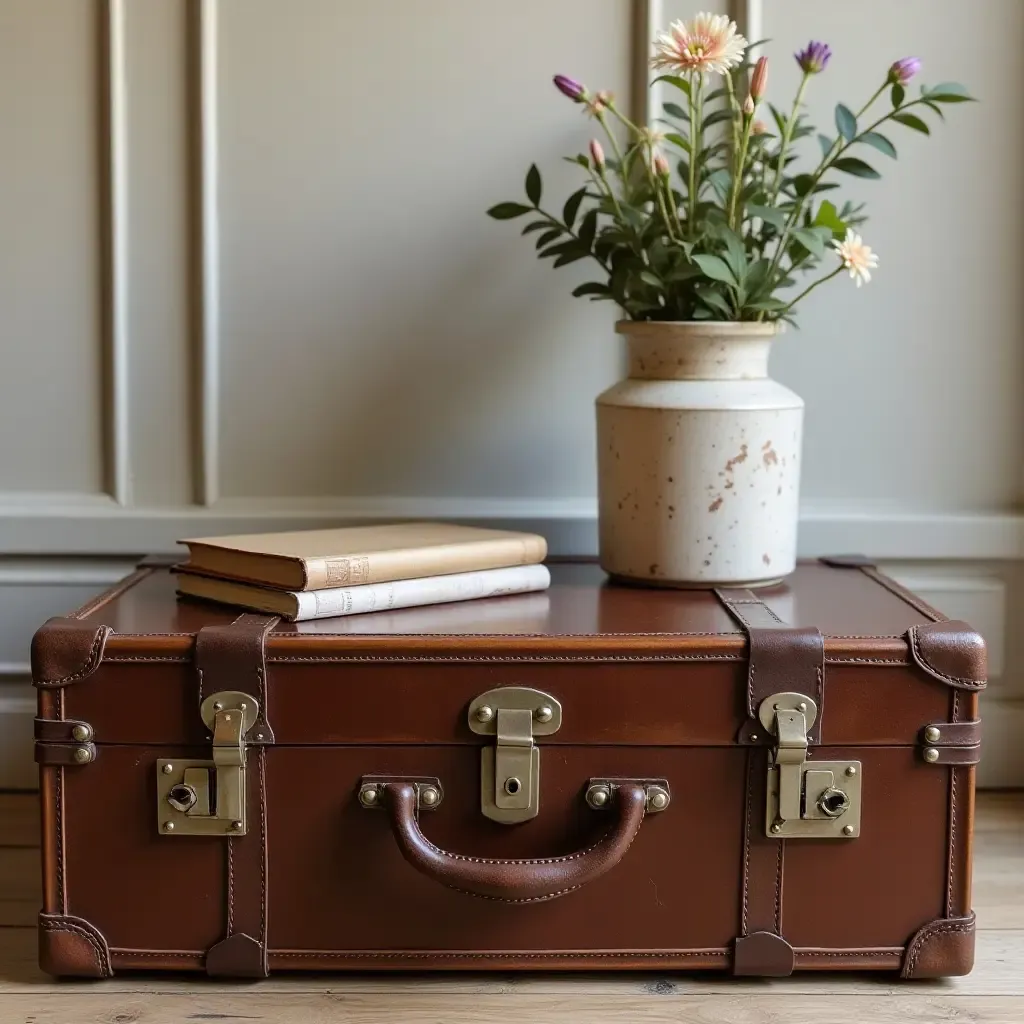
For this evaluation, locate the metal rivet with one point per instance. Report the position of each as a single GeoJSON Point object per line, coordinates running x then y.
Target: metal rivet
{"type": "Point", "coordinates": [657, 800]}
{"type": "Point", "coordinates": [368, 796]}
{"type": "Point", "coordinates": [776, 707]}
{"type": "Point", "coordinates": [218, 706]}
{"type": "Point", "coordinates": [776, 828]}
{"type": "Point", "coordinates": [428, 796]}
{"type": "Point", "coordinates": [852, 770]}
{"type": "Point", "coordinates": [242, 706]}
{"type": "Point", "coordinates": [168, 768]}
{"type": "Point", "coordinates": [598, 796]}
{"type": "Point", "coordinates": [259, 735]}
{"type": "Point", "coordinates": [168, 826]}
{"type": "Point", "coordinates": [931, 755]}
{"type": "Point", "coordinates": [236, 826]}
{"type": "Point", "coordinates": [932, 734]}
{"type": "Point", "coordinates": [544, 714]}
{"type": "Point", "coordinates": [848, 830]}
{"type": "Point", "coordinates": [484, 713]}
{"type": "Point", "coordinates": [81, 733]}
{"type": "Point", "coordinates": [802, 706]}
{"type": "Point", "coordinates": [227, 718]}
{"type": "Point", "coordinates": [754, 737]}
{"type": "Point", "coordinates": [82, 754]}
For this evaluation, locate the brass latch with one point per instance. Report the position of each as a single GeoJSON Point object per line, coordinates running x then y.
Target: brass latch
{"type": "Point", "coordinates": [510, 770]}
{"type": "Point", "coordinates": [207, 798]}
{"type": "Point", "coordinates": [807, 799]}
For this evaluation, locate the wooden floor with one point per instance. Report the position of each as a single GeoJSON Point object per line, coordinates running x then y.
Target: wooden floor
{"type": "Point", "coordinates": [993, 994]}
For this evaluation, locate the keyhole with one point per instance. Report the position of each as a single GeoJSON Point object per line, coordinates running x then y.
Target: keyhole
{"type": "Point", "coordinates": [512, 786]}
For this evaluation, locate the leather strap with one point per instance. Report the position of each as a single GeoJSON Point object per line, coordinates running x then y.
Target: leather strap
{"type": "Point", "coordinates": [782, 658]}
{"type": "Point", "coordinates": [233, 657]}
{"type": "Point", "coordinates": [760, 950]}
{"type": "Point", "coordinates": [514, 881]}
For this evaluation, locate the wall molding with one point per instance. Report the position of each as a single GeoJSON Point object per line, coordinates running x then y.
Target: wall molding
{"type": "Point", "coordinates": [115, 261]}
{"type": "Point", "coordinates": [204, 142]}
{"type": "Point", "coordinates": [749, 18]}
{"type": "Point", "coordinates": [94, 526]}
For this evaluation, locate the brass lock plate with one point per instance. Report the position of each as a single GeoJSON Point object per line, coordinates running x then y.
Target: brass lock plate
{"type": "Point", "coordinates": [830, 802]}
{"type": "Point", "coordinates": [510, 769]}
{"type": "Point", "coordinates": [208, 797]}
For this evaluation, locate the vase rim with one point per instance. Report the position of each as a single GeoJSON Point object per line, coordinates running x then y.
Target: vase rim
{"type": "Point", "coordinates": [748, 328]}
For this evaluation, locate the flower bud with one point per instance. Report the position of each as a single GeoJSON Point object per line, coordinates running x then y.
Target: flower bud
{"type": "Point", "coordinates": [813, 58]}
{"type": "Point", "coordinates": [597, 154]}
{"type": "Point", "coordinates": [571, 88]}
{"type": "Point", "coordinates": [902, 71]}
{"type": "Point", "coordinates": [760, 79]}
{"type": "Point", "coordinates": [748, 106]}
{"type": "Point", "coordinates": [759, 127]}
{"type": "Point", "coordinates": [660, 165]}
{"type": "Point", "coordinates": [606, 98]}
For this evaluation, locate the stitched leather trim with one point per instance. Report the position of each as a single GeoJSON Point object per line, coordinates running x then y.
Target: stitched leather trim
{"type": "Point", "coordinates": [942, 948]}
{"type": "Point", "coordinates": [70, 946]}
{"type": "Point", "coordinates": [65, 651]}
{"type": "Point", "coordinates": [951, 652]}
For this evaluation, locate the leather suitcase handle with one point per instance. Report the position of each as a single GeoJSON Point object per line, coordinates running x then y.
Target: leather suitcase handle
{"type": "Point", "coordinates": [514, 881]}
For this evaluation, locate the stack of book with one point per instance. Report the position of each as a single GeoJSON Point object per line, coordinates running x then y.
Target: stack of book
{"type": "Point", "coordinates": [318, 574]}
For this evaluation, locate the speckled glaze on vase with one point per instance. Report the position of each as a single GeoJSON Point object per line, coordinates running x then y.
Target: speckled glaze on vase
{"type": "Point", "coordinates": [699, 459]}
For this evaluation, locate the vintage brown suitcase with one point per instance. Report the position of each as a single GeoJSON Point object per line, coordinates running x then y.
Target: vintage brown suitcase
{"type": "Point", "coordinates": [593, 777]}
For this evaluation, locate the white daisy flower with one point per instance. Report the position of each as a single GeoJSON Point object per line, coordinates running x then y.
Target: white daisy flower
{"type": "Point", "coordinates": [707, 43]}
{"type": "Point", "coordinates": [856, 257]}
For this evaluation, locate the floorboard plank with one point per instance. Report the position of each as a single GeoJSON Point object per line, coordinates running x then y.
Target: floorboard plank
{"type": "Point", "coordinates": [19, 819]}
{"type": "Point", "coordinates": [100, 1006]}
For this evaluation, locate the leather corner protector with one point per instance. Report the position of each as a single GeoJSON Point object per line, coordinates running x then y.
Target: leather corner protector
{"type": "Point", "coordinates": [847, 561]}
{"type": "Point", "coordinates": [70, 947]}
{"type": "Point", "coordinates": [941, 949]}
{"type": "Point", "coordinates": [65, 651]}
{"type": "Point", "coordinates": [763, 955]}
{"type": "Point", "coordinates": [237, 956]}
{"type": "Point", "coordinates": [951, 652]}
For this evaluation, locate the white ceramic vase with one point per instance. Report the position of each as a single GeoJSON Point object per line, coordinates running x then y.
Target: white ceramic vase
{"type": "Point", "coordinates": [699, 459]}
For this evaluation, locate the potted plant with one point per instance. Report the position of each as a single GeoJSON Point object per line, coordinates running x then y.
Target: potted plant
{"type": "Point", "coordinates": [709, 228]}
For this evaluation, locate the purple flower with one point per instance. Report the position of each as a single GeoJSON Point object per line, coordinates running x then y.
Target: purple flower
{"type": "Point", "coordinates": [571, 88]}
{"type": "Point", "coordinates": [814, 57]}
{"type": "Point", "coordinates": [904, 70]}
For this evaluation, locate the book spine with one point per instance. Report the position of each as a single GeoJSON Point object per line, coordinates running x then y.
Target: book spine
{"type": "Point", "coordinates": [377, 597]}
{"type": "Point", "coordinates": [417, 563]}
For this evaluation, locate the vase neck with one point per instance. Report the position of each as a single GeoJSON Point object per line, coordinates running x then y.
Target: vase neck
{"type": "Point", "coordinates": [694, 352]}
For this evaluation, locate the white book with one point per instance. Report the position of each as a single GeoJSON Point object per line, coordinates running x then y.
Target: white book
{"type": "Point", "coordinates": [301, 606]}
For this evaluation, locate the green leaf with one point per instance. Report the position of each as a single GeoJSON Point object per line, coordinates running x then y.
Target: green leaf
{"type": "Point", "coordinates": [812, 239]}
{"type": "Point", "coordinates": [716, 302]}
{"type": "Point", "coordinates": [826, 144]}
{"type": "Point", "coordinates": [780, 118]}
{"type": "Point", "coordinates": [898, 95]}
{"type": "Point", "coordinates": [912, 121]}
{"type": "Point", "coordinates": [828, 217]}
{"type": "Point", "coordinates": [721, 181]}
{"type": "Point", "coordinates": [948, 92]}
{"type": "Point", "coordinates": [561, 249]}
{"type": "Point", "coordinates": [680, 83]}
{"type": "Point", "coordinates": [674, 110]}
{"type": "Point", "coordinates": [880, 142]}
{"type": "Point", "coordinates": [572, 206]}
{"type": "Point", "coordinates": [717, 117]}
{"type": "Point", "coordinates": [769, 215]}
{"type": "Point", "coordinates": [508, 211]}
{"type": "Point", "coordinates": [591, 288]}
{"type": "Point", "coordinates": [588, 229]}
{"type": "Point", "coordinates": [735, 254]}
{"type": "Point", "coordinates": [846, 122]}
{"type": "Point", "coordinates": [652, 279]}
{"type": "Point", "coordinates": [858, 168]}
{"type": "Point", "coordinates": [935, 109]}
{"type": "Point", "coordinates": [537, 225]}
{"type": "Point", "coordinates": [569, 257]}
{"type": "Point", "coordinates": [548, 237]}
{"type": "Point", "coordinates": [533, 185]}
{"type": "Point", "coordinates": [766, 305]}
{"type": "Point", "coordinates": [715, 267]}
{"type": "Point", "coordinates": [677, 140]}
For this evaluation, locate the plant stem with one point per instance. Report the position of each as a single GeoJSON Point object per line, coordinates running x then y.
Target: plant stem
{"type": "Point", "coordinates": [734, 110]}
{"type": "Point", "coordinates": [602, 179]}
{"type": "Point", "coordinates": [737, 178]}
{"type": "Point", "coordinates": [660, 196]}
{"type": "Point", "coordinates": [838, 148]}
{"type": "Point", "coordinates": [615, 144]}
{"type": "Point", "coordinates": [787, 136]}
{"type": "Point", "coordinates": [696, 144]}
{"type": "Point", "coordinates": [810, 288]}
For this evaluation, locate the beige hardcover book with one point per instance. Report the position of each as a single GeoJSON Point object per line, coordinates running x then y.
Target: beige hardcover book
{"type": "Point", "coordinates": [303, 605]}
{"type": "Point", "coordinates": [358, 555]}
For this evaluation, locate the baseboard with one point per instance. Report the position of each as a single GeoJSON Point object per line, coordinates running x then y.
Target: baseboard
{"type": "Point", "coordinates": [1002, 759]}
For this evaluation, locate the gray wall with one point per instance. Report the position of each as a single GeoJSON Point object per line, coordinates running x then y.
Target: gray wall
{"type": "Point", "coordinates": [250, 284]}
